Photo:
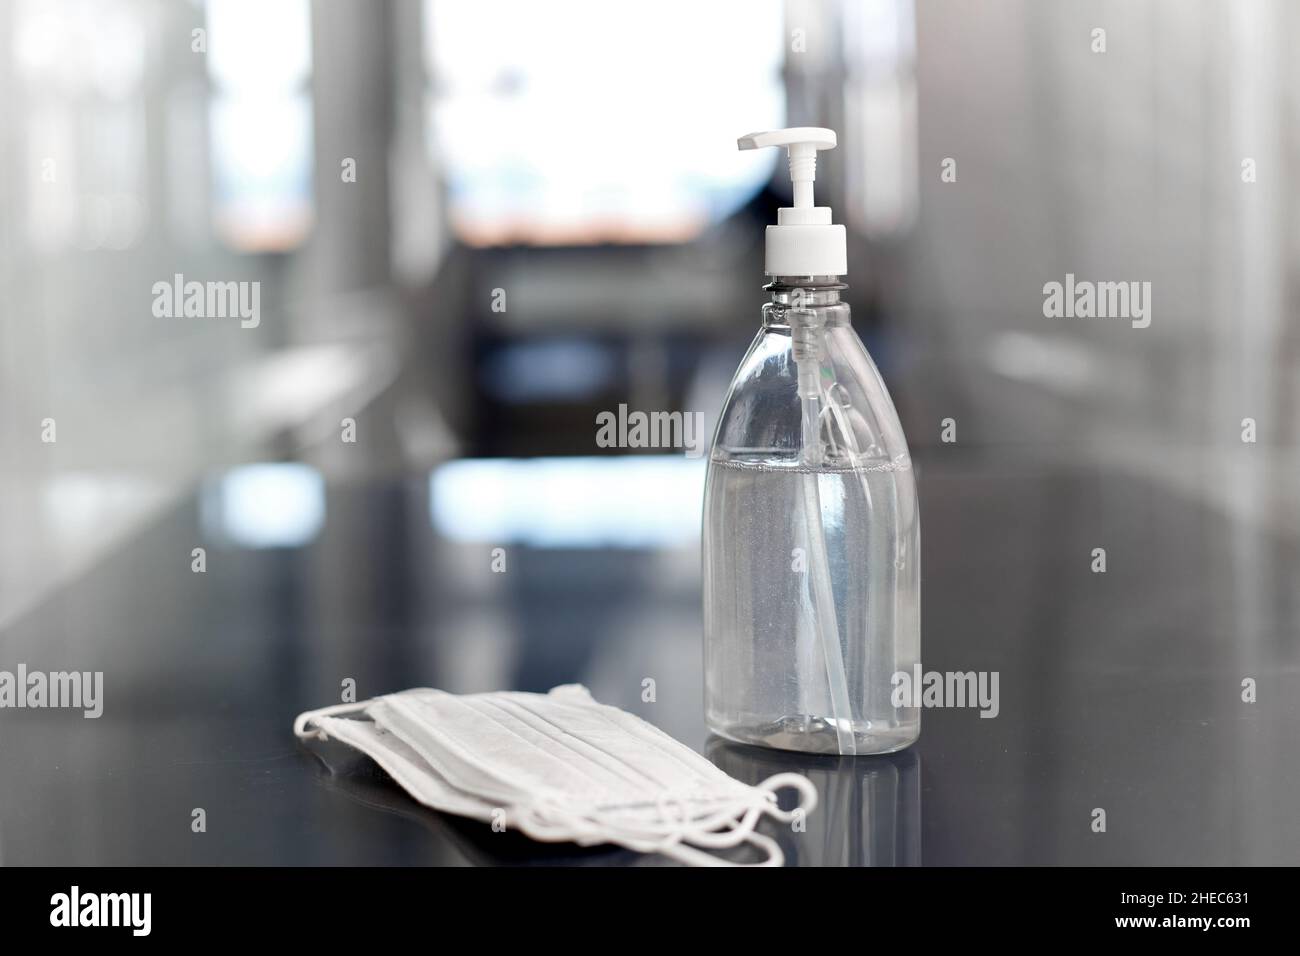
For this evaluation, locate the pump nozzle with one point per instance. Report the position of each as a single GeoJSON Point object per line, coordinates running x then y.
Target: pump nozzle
{"type": "Point", "coordinates": [803, 242]}
{"type": "Point", "coordinates": [803, 143]}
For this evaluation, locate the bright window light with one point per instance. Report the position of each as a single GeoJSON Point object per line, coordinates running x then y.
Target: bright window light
{"type": "Point", "coordinates": [632, 501]}
{"type": "Point", "coordinates": [265, 506]}
{"type": "Point", "coordinates": [577, 121]}
{"type": "Point", "coordinates": [259, 61]}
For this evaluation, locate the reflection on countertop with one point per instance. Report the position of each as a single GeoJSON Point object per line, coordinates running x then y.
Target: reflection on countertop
{"type": "Point", "coordinates": [869, 809]}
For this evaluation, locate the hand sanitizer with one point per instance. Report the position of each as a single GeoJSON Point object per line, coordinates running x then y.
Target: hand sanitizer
{"type": "Point", "coordinates": [812, 576]}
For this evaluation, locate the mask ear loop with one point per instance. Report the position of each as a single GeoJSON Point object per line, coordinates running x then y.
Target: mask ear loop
{"type": "Point", "coordinates": [807, 793]}
{"type": "Point", "coordinates": [300, 723]}
{"type": "Point", "coordinates": [753, 805]}
{"type": "Point", "coordinates": [685, 853]}
{"type": "Point", "coordinates": [691, 842]}
{"type": "Point", "coordinates": [686, 840]}
{"type": "Point", "coordinates": [674, 825]}
{"type": "Point", "coordinates": [742, 830]}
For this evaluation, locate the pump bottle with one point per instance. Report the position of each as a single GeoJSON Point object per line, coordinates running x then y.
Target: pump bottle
{"type": "Point", "coordinates": [811, 537]}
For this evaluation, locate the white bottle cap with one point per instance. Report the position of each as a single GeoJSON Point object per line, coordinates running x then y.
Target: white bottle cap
{"type": "Point", "coordinates": [803, 242]}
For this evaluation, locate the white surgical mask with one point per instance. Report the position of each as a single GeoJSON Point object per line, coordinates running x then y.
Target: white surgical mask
{"type": "Point", "coordinates": [562, 767]}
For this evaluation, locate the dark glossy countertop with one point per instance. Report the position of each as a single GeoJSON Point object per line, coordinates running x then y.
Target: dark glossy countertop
{"type": "Point", "coordinates": [1119, 691]}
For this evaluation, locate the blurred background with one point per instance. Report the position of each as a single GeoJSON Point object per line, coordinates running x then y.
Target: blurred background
{"type": "Point", "coordinates": [476, 225]}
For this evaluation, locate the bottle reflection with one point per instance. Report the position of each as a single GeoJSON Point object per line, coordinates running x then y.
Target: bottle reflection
{"type": "Point", "coordinates": [868, 809]}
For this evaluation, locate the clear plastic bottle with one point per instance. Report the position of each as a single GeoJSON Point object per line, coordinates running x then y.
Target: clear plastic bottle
{"type": "Point", "coordinates": [811, 540]}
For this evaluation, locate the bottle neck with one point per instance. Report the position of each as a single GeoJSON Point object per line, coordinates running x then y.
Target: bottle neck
{"type": "Point", "coordinates": [802, 301]}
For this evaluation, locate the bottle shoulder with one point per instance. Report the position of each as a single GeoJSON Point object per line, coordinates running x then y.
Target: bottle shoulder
{"type": "Point", "coordinates": [765, 414]}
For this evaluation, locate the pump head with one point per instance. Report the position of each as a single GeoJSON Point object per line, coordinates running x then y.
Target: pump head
{"type": "Point", "coordinates": [803, 242]}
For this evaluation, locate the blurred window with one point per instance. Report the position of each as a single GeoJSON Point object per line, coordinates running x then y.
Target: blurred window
{"type": "Point", "coordinates": [259, 62]}
{"type": "Point", "coordinates": [495, 500]}
{"type": "Point", "coordinates": [272, 505]}
{"type": "Point", "coordinates": [581, 121]}
{"type": "Point", "coordinates": [81, 63]}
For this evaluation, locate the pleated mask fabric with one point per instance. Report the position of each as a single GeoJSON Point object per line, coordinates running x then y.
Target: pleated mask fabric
{"type": "Point", "coordinates": [560, 767]}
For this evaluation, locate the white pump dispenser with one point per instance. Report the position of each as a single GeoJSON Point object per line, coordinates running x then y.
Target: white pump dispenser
{"type": "Point", "coordinates": [803, 242]}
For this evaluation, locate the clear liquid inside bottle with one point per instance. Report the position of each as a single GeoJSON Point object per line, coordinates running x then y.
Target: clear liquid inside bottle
{"type": "Point", "coordinates": [811, 543]}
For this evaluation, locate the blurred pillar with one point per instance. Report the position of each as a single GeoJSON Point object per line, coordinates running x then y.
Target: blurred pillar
{"type": "Point", "coordinates": [352, 89]}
